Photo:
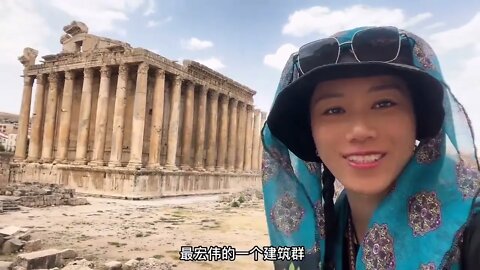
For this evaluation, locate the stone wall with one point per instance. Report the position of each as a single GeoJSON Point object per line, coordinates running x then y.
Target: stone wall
{"type": "Point", "coordinates": [5, 159]}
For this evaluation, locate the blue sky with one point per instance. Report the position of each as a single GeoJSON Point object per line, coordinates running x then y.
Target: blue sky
{"type": "Point", "coordinates": [246, 40]}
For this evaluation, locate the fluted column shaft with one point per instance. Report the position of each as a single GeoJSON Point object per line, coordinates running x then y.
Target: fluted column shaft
{"type": "Point", "coordinates": [200, 132]}
{"type": "Point", "coordinates": [21, 144]}
{"type": "Point", "coordinates": [119, 117]}
{"type": "Point", "coordinates": [232, 135]}
{"type": "Point", "coordinates": [241, 137]}
{"type": "Point", "coordinates": [65, 116]}
{"type": "Point", "coordinates": [157, 120]}
{"type": "Point", "coordinates": [37, 117]}
{"type": "Point", "coordinates": [101, 117]}
{"type": "Point", "coordinates": [188, 126]}
{"type": "Point", "coordinates": [256, 140]}
{"type": "Point", "coordinates": [223, 136]}
{"type": "Point", "coordinates": [84, 119]}
{"type": "Point", "coordinates": [248, 140]}
{"type": "Point", "coordinates": [173, 124]}
{"type": "Point", "coordinates": [212, 129]}
{"type": "Point", "coordinates": [50, 114]}
{"type": "Point", "coordinates": [138, 121]}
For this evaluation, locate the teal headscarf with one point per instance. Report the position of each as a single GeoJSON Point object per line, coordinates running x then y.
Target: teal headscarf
{"type": "Point", "coordinates": [419, 225]}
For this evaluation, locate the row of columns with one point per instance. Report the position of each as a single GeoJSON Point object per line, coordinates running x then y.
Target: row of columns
{"type": "Point", "coordinates": [233, 144]}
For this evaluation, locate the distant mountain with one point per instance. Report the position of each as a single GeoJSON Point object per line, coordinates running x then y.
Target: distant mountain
{"type": "Point", "coordinates": [8, 117]}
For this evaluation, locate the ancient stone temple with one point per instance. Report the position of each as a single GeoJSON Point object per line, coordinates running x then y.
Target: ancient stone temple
{"type": "Point", "coordinates": [116, 120]}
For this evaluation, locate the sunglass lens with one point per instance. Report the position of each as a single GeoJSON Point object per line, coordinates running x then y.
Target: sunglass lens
{"type": "Point", "coordinates": [318, 53]}
{"type": "Point", "coordinates": [377, 44]}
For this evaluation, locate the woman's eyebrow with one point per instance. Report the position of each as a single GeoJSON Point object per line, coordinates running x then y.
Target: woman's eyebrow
{"type": "Point", "coordinates": [387, 86]}
{"type": "Point", "coordinates": [327, 96]}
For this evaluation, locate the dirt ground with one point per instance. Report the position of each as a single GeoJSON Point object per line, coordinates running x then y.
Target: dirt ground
{"type": "Point", "coordinates": [110, 229]}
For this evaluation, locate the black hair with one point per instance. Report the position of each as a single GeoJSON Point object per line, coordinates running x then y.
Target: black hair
{"type": "Point", "coordinates": [328, 192]}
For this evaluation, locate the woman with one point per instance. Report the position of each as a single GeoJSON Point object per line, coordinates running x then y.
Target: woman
{"type": "Point", "coordinates": [369, 107]}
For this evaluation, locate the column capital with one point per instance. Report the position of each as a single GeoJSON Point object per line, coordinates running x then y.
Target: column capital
{"type": "Point", "coordinates": [88, 73]}
{"type": "Point", "coordinates": [257, 111]}
{"type": "Point", "coordinates": [28, 80]}
{"type": "Point", "coordinates": [203, 89]}
{"type": "Point", "coordinates": [241, 105]}
{"type": "Point", "coordinates": [40, 78]}
{"type": "Point", "coordinates": [214, 94]}
{"type": "Point", "coordinates": [160, 73]}
{"type": "Point", "coordinates": [123, 71]}
{"type": "Point", "coordinates": [224, 99]}
{"type": "Point", "coordinates": [249, 107]}
{"type": "Point", "coordinates": [69, 74]}
{"type": "Point", "coordinates": [177, 79]}
{"type": "Point", "coordinates": [143, 68]}
{"type": "Point", "coordinates": [52, 77]}
{"type": "Point", "coordinates": [234, 102]}
{"type": "Point", "coordinates": [105, 72]}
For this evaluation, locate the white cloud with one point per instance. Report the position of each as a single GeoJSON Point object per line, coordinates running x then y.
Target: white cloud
{"type": "Point", "coordinates": [99, 16]}
{"type": "Point", "coordinates": [457, 38]}
{"type": "Point", "coordinates": [195, 44]}
{"type": "Point", "coordinates": [277, 60]}
{"type": "Point", "coordinates": [153, 23]}
{"type": "Point", "coordinates": [21, 26]}
{"type": "Point", "coordinates": [212, 62]}
{"type": "Point", "coordinates": [150, 9]}
{"type": "Point", "coordinates": [324, 21]}
{"type": "Point", "coordinates": [434, 25]}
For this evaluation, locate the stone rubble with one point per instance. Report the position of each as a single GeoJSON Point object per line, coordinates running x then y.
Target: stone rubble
{"type": "Point", "coordinates": [244, 198]}
{"type": "Point", "coordinates": [37, 195]}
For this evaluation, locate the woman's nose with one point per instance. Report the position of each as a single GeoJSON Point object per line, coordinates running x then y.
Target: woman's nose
{"type": "Point", "coordinates": [361, 131]}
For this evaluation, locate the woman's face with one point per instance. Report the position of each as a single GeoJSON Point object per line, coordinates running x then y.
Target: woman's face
{"type": "Point", "coordinates": [364, 130]}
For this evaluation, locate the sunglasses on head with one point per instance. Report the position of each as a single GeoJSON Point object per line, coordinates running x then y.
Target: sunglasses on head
{"type": "Point", "coordinates": [376, 44]}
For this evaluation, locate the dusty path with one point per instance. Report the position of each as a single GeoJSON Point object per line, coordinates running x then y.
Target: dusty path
{"type": "Point", "coordinates": [111, 229]}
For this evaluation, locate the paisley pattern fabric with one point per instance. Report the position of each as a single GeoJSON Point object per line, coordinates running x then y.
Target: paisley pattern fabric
{"type": "Point", "coordinates": [420, 222]}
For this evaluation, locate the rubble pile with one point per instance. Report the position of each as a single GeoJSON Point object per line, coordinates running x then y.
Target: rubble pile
{"type": "Point", "coordinates": [40, 195]}
{"type": "Point", "coordinates": [244, 198]}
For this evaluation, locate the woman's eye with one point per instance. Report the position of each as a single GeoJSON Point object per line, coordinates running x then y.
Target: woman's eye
{"type": "Point", "coordinates": [335, 110]}
{"type": "Point", "coordinates": [384, 104]}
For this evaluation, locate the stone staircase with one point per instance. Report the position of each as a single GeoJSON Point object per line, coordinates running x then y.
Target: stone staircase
{"type": "Point", "coordinates": [8, 205]}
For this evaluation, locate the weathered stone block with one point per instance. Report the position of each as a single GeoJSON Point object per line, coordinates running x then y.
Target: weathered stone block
{"type": "Point", "coordinates": [5, 265]}
{"type": "Point", "coordinates": [69, 254]}
{"type": "Point", "coordinates": [10, 230]}
{"type": "Point", "coordinates": [33, 245]}
{"type": "Point", "coordinates": [113, 265]}
{"type": "Point", "coordinates": [130, 265]}
{"type": "Point", "coordinates": [49, 258]}
{"type": "Point", "coordinates": [12, 246]}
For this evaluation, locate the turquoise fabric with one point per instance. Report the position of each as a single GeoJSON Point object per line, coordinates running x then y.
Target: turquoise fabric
{"type": "Point", "coordinates": [418, 225]}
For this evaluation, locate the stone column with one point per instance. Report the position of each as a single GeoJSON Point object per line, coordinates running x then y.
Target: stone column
{"type": "Point", "coordinates": [65, 116]}
{"type": "Point", "coordinates": [157, 120]}
{"type": "Point", "coordinates": [260, 152]}
{"type": "Point", "coordinates": [200, 132]}
{"type": "Point", "coordinates": [138, 121]}
{"type": "Point", "coordinates": [37, 116]}
{"type": "Point", "coordinates": [101, 117]}
{"type": "Point", "coordinates": [256, 140]}
{"type": "Point", "coordinates": [119, 117]}
{"type": "Point", "coordinates": [232, 135]}
{"type": "Point", "coordinates": [248, 140]}
{"type": "Point", "coordinates": [223, 136]}
{"type": "Point", "coordinates": [241, 137]}
{"type": "Point", "coordinates": [212, 129]}
{"type": "Point", "coordinates": [24, 119]}
{"type": "Point", "coordinates": [50, 114]}
{"type": "Point", "coordinates": [84, 117]}
{"type": "Point", "coordinates": [173, 124]}
{"type": "Point", "coordinates": [187, 126]}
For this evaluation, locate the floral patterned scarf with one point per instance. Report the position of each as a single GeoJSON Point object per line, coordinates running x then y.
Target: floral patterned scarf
{"type": "Point", "coordinates": [419, 225]}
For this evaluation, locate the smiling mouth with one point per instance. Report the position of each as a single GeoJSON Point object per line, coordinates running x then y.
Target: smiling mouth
{"type": "Point", "coordinates": [365, 159]}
